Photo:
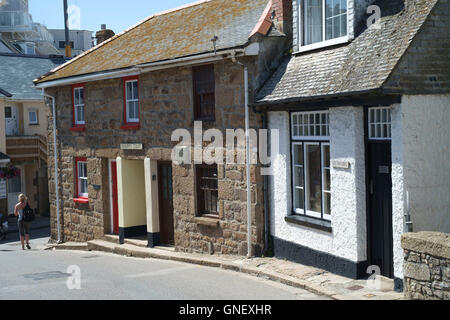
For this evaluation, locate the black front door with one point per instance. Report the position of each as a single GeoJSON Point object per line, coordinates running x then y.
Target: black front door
{"type": "Point", "coordinates": [380, 211]}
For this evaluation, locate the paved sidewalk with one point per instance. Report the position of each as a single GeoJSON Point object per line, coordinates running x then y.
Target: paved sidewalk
{"type": "Point", "coordinates": [312, 279]}
{"type": "Point", "coordinates": [37, 224]}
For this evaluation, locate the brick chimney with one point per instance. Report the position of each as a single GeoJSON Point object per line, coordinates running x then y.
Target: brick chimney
{"type": "Point", "coordinates": [282, 11]}
{"type": "Point", "coordinates": [104, 34]}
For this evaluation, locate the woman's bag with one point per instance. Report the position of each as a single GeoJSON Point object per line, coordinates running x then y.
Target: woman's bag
{"type": "Point", "coordinates": [28, 214]}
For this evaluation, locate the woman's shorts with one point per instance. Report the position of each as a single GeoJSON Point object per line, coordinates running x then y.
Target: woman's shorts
{"type": "Point", "coordinates": [24, 228]}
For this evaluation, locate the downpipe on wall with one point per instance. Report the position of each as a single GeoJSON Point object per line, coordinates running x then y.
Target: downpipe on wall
{"type": "Point", "coordinates": [247, 146]}
{"type": "Point", "coordinates": [55, 149]}
{"type": "Point", "coordinates": [408, 221]}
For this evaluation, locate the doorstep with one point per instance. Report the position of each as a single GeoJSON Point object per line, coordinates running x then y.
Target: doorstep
{"type": "Point", "coordinates": [286, 272]}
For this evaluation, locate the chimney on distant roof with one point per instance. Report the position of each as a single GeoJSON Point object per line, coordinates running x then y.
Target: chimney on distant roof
{"type": "Point", "coordinates": [104, 34]}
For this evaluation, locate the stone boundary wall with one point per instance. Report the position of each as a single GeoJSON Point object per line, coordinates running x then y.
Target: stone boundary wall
{"type": "Point", "coordinates": [426, 265]}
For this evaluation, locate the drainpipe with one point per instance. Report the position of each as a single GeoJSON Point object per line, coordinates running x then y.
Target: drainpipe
{"type": "Point", "coordinates": [55, 149]}
{"type": "Point", "coordinates": [247, 146]}
{"type": "Point", "coordinates": [408, 221]}
{"type": "Point", "coordinates": [265, 191]}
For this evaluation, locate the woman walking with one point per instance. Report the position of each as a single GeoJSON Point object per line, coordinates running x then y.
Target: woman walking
{"type": "Point", "coordinates": [24, 227]}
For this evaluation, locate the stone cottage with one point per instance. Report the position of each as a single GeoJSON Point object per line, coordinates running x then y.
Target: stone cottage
{"type": "Point", "coordinates": [118, 104]}
{"type": "Point", "coordinates": [362, 106]}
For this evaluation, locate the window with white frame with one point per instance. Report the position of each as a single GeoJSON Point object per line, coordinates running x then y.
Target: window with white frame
{"type": "Point", "coordinates": [82, 179]}
{"type": "Point", "coordinates": [380, 123]}
{"type": "Point", "coordinates": [322, 20]}
{"type": "Point", "coordinates": [78, 105]}
{"type": "Point", "coordinates": [311, 175]}
{"type": "Point", "coordinates": [33, 117]}
{"type": "Point", "coordinates": [132, 101]}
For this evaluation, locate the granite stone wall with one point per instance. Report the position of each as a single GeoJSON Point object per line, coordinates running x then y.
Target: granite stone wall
{"type": "Point", "coordinates": [426, 265]}
{"type": "Point", "coordinates": [166, 104]}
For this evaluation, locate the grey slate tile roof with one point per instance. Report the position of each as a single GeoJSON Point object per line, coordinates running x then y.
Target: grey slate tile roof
{"type": "Point", "coordinates": [17, 73]}
{"type": "Point", "coordinates": [362, 65]}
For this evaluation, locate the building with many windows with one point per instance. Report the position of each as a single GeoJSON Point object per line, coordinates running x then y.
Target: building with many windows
{"type": "Point", "coordinates": [362, 107]}
{"type": "Point", "coordinates": [23, 131]}
{"type": "Point", "coordinates": [118, 105]}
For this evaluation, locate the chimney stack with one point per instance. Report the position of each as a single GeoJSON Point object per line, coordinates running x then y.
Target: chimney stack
{"type": "Point", "coordinates": [282, 10]}
{"type": "Point", "coordinates": [104, 34]}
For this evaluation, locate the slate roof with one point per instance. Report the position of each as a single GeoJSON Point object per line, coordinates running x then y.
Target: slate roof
{"type": "Point", "coordinates": [362, 65]}
{"type": "Point", "coordinates": [180, 32]}
{"type": "Point", "coordinates": [18, 71]}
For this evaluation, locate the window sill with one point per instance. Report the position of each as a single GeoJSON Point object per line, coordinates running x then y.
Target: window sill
{"type": "Point", "coordinates": [207, 221]}
{"type": "Point", "coordinates": [33, 124]}
{"type": "Point", "coordinates": [81, 200]}
{"type": "Point", "coordinates": [206, 120]}
{"type": "Point", "coordinates": [78, 128]}
{"type": "Point", "coordinates": [131, 126]}
{"type": "Point", "coordinates": [310, 222]}
{"type": "Point", "coordinates": [323, 44]}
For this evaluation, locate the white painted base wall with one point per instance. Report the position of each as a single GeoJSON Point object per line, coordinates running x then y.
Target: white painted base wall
{"type": "Point", "coordinates": [426, 151]}
{"type": "Point", "coordinates": [348, 239]}
{"type": "Point", "coordinates": [420, 166]}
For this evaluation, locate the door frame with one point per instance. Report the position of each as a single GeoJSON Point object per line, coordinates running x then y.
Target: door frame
{"type": "Point", "coordinates": [368, 188]}
{"type": "Point", "coordinates": [111, 204]}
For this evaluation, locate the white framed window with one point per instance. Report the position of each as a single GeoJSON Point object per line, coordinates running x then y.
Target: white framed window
{"type": "Point", "coordinates": [78, 105]}
{"type": "Point", "coordinates": [132, 101]}
{"type": "Point", "coordinates": [380, 123]}
{"type": "Point", "coordinates": [33, 117]}
{"type": "Point", "coordinates": [82, 179]}
{"type": "Point", "coordinates": [322, 21]}
{"type": "Point", "coordinates": [311, 174]}
{"type": "Point", "coordinates": [311, 125]}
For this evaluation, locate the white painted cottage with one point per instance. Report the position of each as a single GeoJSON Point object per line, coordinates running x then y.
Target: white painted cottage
{"type": "Point", "coordinates": [363, 112]}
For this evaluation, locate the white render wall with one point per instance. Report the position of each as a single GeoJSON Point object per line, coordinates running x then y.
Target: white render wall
{"type": "Point", "coordinates": [348, 239]}
{"type": "Point", "coordinates": [398, 193]}
{"type": "Point", "coordinates": [426, 154]}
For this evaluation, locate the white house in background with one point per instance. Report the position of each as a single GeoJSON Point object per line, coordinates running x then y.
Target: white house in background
{"type": "Point", "coordinates": [363, 114]}
{"type": "Point", "coordinates": [18, 32]}
{"type": "Point", "coordinates": [80, 40]}
{"type": "Point", "coordinates": [23, 129]}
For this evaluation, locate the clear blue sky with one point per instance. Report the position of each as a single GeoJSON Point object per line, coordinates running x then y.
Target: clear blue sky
{"type": "Point", "coordinates": [117, 14]}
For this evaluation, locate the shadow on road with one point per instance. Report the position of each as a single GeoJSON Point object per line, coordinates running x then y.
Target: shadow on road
{"type": "Point", "coordinates": [13, 239]}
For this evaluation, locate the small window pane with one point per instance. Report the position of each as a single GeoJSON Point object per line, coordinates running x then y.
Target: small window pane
{"type": "Point", "coordinates": [299, 199]}
{"type": "Point", "coordinates": [81, 95]}
{"type": "Point", "coordinates": [327, 180]}
{"type": "Point", "coordinates": [298, 154]}
{"type": "Point", "coordinates": [314, 199]}
{"type": "Point", "coordinates": [327, 204]}
{"type": "Point", "coordinates": [313, 15]}
{"type": "Point", "coordinates": [135, 90]}
{"type": "Point", "coordinates": [33, 117]}
{"type": "Point", "coordinates": [76, 97]}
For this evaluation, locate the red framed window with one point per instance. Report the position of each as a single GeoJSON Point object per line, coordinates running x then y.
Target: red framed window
{"type": "Point", "coordinates": [204, 93]}
{"type": "Point", "coordinates": [78, 108]}
{"type": "Point", "coordinates": [131, 114]}
{"type": "Point", "coordinates": [81, 191]}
